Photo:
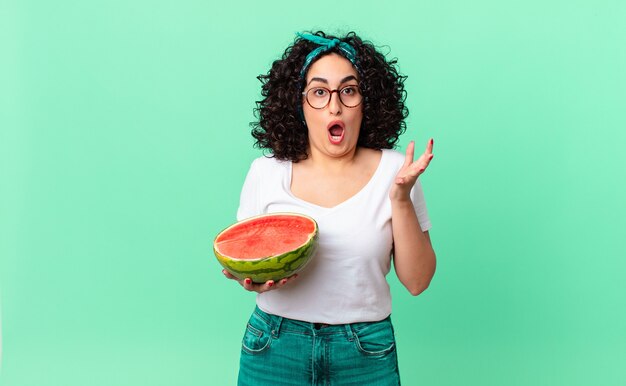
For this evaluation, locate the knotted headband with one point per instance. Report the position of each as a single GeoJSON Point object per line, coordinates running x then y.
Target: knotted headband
{"type": "Point", "coordinates": [326, 45]}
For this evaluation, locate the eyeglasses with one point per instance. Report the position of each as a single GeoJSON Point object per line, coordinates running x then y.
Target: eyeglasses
{"type": "Point", "coordinates": [319, 97]}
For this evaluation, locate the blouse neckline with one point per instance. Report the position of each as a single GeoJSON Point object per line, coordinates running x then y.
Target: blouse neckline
{"type": "Point", "coordinates": [347, 201]}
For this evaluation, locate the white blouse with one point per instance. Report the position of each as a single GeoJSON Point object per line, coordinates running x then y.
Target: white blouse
{"type": "Point", "coordinates": [345, 281]}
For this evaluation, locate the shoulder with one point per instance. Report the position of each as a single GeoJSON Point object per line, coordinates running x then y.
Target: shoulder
{"type": "Point", "coordinates": [389, 156]}
{"type": "Point", "coordinates": [268, 164]}
{"type": "Point", "coordinates": [393, 157]}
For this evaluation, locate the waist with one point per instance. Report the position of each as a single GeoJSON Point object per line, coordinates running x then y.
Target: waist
{"type": "Point", "coordinates": [283, 324]}
{"type": "Point", "coordinates": [322, 306]}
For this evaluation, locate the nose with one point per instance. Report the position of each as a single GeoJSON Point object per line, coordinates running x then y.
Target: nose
{"type": "Point", "coordinates": [334, 105]}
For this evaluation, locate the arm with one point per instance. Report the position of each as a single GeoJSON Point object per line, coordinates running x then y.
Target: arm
{"type": "Point", "coordinates": [414, 257]}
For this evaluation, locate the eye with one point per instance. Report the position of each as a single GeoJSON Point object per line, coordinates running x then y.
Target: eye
{"type": "Point", "coordinates": [349, 90]}
{"type": "Point", "coordinates": [319, 92]}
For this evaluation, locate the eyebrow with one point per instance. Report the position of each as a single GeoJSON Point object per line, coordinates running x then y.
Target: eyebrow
{"type": "Point", "coordinates": [344, 80]}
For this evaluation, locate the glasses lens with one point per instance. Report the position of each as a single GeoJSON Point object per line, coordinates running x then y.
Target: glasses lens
{"type": "Point", "coordinates": [350, 96]}
{"type": "Point", "coordinates": [318, 97]}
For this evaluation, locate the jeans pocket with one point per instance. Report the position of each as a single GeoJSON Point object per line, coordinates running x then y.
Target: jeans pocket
{"type": "Point", "coordinates": [374, 339]}
{"type": "Point", "coordinates": [257, 337]}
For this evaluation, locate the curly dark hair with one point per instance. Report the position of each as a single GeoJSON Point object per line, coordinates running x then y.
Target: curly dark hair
{"type": "Point", "coordinates": [280, 127]}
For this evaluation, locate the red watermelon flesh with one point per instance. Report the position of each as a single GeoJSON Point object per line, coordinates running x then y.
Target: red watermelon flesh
{"type": "Point", "coordinates": [267, 247]}
{"type": "Point", "coordinates": [265, 236]}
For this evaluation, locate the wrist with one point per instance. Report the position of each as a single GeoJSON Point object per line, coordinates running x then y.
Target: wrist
{"type": "Point", "coordinates": [403, 201]}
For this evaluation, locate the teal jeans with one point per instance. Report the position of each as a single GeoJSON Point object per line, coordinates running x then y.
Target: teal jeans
{"type": "Point", "coordinates": [278, 351]}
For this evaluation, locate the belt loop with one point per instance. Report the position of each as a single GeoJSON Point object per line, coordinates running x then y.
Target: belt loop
{"type": "Point", "coordinates": [349, 332]}
{"type": "Point", "coordinates": [278, 321]}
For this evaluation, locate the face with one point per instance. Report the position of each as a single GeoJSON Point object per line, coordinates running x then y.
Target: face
{"type": "Point", "coordinates": [334, 129]}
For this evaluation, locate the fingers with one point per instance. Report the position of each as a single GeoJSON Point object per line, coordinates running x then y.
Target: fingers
{"type": "Point", "coordinates": [287, 280]}
{"type": "Point", "coordinates": [249, 285]}
{"type": "Point", "coordinates": [411, 170]}
{"type": "Point", "coordinates": [429, 146]}
{"type": "Point", "coordinates": [410, 153]}
{"type": "Point", "coordinates": [424, 160]}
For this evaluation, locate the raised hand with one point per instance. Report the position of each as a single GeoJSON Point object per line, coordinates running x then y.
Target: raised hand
{"type": "Point", "coordinates": [410, 170]}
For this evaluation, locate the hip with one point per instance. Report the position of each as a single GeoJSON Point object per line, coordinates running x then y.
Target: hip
{"type": "Point", "coordinates": [277, 350]}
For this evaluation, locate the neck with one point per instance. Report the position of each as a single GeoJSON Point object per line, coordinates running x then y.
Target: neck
{"type": "Point", "coordinates": [332, 163]}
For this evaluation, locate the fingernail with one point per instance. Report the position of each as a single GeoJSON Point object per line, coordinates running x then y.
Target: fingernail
{"type": "Point", "coordinates": [248, 281]}
{"type": "Point", "coordinates": [270, 284]}
{"type": "Point", "coordinates": [432, 141]}
{"type": "Point", "coordinates": [283, 281]}
{"type": "Point", "coordinates": [431, 156]}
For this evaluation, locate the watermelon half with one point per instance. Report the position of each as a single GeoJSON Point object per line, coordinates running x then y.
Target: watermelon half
{"type": "Point", "coordinates": [267, 247]}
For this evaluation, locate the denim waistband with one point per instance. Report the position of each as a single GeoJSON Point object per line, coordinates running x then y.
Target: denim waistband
{"type": "Point", "coordinates": [280, 324]}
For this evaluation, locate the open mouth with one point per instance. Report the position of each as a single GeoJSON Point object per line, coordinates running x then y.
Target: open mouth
{"type": "Point", "coordinates": [336, 132]}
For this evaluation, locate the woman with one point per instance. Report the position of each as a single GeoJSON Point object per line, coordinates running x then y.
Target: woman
{"type": "Point", "coordinates": [332, 110]}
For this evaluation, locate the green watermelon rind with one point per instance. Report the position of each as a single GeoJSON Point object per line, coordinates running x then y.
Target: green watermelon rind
{"type": "Point", "coordinates": [273, 267]}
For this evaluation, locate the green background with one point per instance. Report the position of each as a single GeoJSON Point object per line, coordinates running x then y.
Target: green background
{"type": "Point", "coordinates": [124, 142]}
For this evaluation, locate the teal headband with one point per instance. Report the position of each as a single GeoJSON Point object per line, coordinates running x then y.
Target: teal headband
{"type": "Point", "coordinates": [326, 45]}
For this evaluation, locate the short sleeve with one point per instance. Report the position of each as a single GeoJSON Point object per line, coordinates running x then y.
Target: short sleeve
{"type": "Point", "coordinates": [249, 198]}
{"type": "Point", "coordinates": [417, 196]}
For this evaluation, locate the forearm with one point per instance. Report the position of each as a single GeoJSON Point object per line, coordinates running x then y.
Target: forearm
{"type": "Point", "coordinates": [414, 258]}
